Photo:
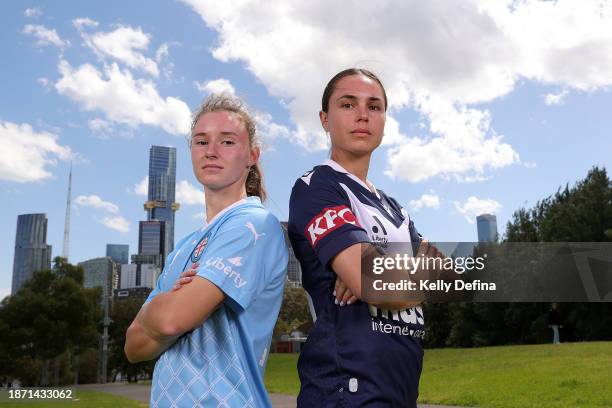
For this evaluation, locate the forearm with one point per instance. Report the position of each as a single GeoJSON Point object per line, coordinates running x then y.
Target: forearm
{"type": "Point", "coordinates": [140, 345]}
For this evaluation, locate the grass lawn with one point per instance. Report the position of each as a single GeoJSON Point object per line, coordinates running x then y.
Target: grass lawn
{"type": "Point", "coordinates": [85, 399]}
{"type": "Point", "coordinates": [560, 376]}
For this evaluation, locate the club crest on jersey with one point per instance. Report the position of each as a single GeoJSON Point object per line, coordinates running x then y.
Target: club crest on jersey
{"type": "Point", "coordinates": [197, 252]}
{"type": "Point", "coordinates": [329, 219]}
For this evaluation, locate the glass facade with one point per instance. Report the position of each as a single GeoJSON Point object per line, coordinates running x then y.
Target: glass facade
{"type": "Point", "coordinates": [150, 235]}
{"type": "Point", "coordinates": [100, 272]}
{"type": "Point", "coordinates": [161, 195]}
{"type": "Point", "coordinates": [119, 253]}
{"type": "Point", "coordinates": [294, 270]}
{"type": "Point", "coordinates": [487, 227]}
{"type": "Point", "coordinates": [31, 250]}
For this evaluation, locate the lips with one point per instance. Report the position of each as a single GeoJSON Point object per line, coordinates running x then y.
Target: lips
{"type": "Point", "coordinates": [212, 167]}
{"type": "Point", "coordinates": [361, 132]}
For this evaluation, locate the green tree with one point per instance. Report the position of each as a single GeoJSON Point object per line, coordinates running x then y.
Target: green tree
{"type": "Point", "coordinates": [51, 314]}
{"type": "Point", "coordinates": [122, 315]}
{"type": "Point", "coordinates": [294, 311]}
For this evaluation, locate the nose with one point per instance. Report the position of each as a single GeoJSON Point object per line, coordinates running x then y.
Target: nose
{"type": "Point", "coordinates": [362, 113]}
{"type": "Point", "coordinates": [210, 151]}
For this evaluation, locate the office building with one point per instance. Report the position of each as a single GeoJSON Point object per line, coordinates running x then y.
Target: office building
{"type": "Point", "coordinates": [138, 275]}
{"type": "Point", "coordinates": [160, 205]}
{"type": "Point", "coordinates": [102, 273]}
{"type": "Point", "coordinates": [294, 270]}
{"type": "Point", "coordinates": [487, 227]}
{"type": "Point", "coordinates": [31, 250]}
{"type": "Point", "coordinates": [119, 253]}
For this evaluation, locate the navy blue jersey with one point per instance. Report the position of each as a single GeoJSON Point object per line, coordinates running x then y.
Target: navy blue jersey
{"type": "Point", "coordinates": [356, 355]}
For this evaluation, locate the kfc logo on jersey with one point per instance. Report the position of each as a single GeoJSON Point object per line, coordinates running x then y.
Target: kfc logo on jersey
{"type": "Point", "coordinates": [328, 220]}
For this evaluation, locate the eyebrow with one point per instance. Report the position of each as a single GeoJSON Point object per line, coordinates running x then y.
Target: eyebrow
{"type": "Point", "coordinates": [353, 97]}
{"type": "Point", "coordinates": [224, 133]}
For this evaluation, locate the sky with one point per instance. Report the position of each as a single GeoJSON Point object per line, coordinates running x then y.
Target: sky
{"type": "Point", "coordinates": [493, 105]}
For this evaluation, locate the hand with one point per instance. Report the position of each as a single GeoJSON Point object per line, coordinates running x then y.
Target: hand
{"type": "Point", "coordinates": [185, 278]}
{"type": "Point", "coordinates": [343, 294]}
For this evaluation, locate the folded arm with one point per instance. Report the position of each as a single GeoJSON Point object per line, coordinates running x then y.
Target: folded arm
{"type": "Point", "coordinates": [168, 316]}
{"type": "Point", "coordinates": [347, 265]}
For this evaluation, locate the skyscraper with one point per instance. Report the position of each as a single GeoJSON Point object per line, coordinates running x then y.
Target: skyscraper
{"type": "Point", "coordinates": [294, 270]}
{"type": "Point", "coordinates": [31, 250]}
{"type": "Point", "coordinates": [487, 227]}
{"type": "Point", "coordinates": [160, 205]}
{"type": "Point", "coordinates": [119, 253]}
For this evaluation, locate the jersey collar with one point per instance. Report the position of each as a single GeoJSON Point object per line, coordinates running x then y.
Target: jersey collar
{"type": "Point", "coordinates": [251, 199]}
{"type": "Point", "coordinates": [334, 165]}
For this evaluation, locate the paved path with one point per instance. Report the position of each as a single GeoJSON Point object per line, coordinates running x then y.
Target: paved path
{"type": "Point", "coordinates": [142, 393]}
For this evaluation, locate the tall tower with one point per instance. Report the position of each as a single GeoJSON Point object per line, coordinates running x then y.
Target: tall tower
{"type": "Point", "coordinates": [66, 246]}
{"type": "Point", "coordinates": [487, 227]}
{"type": "Point", "coordinates": [160, 205]}
{"type": "Point", "coordinates": [31, 250]}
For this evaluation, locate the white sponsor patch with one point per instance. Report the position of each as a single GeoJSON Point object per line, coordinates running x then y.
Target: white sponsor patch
{"type": "Point", "coordinates": [353, 385]}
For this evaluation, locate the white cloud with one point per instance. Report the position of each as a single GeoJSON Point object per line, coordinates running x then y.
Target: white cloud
{"type": "Point", "coordinates": [124, 44]}
{"type": "Point", "coordinates": [26, 154]}
{"type": "Point", "coordinates": [122, 98]}
{"type": "Point", "coordinates": [460, 149]}
{"type": "Point", "coordinates": [188, 194]}
{"type": "Point", "coordinates": [44, 82]}
{"type": "Point", "coordinates": [81, 23]}
{"type": "Point", "coordinates": [142, 187]}
{"type": "Point", "coordinates": [96, 202]}
{"type": "Point", "coordinates": [435, 57]}
{"type": "Point", "coordinates": [162, 52]}
{"type": "Point", "coordinates": [117, 223]}
{"type": "Point", "coordinates": [100, 125]}
{"type": "Point", "coordinates": [45, 36]}
{"type": "Point", "coordinates": [555, 99]}
{"type": "Point", "coordinates": [392, 135]}
{"type": "Point", "coordinates": [216, 86]}
{"type": "Point", "coordinates": [32, 12]}
{"type": "Point", "coordinates": [268, 130]}
{"type": "Point", "coordinates": [426, 200]}
{"type": "Point", "coordinates": [474, 206]}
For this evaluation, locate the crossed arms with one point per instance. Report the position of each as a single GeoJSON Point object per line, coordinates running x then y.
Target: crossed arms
{"type": "Point", "coordinates": [168, 316]}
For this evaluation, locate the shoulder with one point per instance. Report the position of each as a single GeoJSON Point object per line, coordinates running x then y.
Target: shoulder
{"type": "Point", "coordinates": [322, 182]}
{"type": "Point", "coordinates": [252, 219]}
{"type": "Point", "coordinates": [318, 176]}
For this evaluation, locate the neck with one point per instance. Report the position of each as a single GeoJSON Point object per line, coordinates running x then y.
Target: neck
{"type": "Point", "coordinates": [354, 164]}
{"type": "Point", "coordinates": [218, 200]}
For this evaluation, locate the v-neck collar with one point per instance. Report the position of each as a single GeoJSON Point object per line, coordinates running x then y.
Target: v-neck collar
{"type": "Point", "coordinates": [226, 209]}
{"type": "Point", "coordinates": [337, 167]}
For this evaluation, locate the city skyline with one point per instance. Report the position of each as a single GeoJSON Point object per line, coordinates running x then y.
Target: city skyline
{"type": "Point", "coordinates": [489, 116]}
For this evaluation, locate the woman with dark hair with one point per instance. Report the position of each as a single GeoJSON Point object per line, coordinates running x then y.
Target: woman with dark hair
{"type": "Point", "coordinates": [210, 317]}
{"type": "Point", "coordinates": [357, 354]}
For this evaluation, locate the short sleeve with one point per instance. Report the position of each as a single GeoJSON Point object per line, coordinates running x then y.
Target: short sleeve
{"type": "Point", "coordinates": [320, 211]}
{"type": "Point", "coordinates": [240, 255]}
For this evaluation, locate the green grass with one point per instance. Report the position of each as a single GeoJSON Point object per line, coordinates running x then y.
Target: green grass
{"type": "Point", "coordinates": [281, 374]}
{"type": "Point", "coordinates": [84, 399]}
{"type": "Point", "coordinates": [559, 376]}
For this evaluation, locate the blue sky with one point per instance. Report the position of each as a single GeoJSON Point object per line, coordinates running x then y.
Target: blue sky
{"type": "Point", "coordinates": [492, 105]}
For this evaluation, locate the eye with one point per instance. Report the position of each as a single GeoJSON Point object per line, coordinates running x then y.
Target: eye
{"type": "Point", "coordinates": [228, 142]}
{"type": "Point", "coordinates": [375, 108]}
{"type": "Point", "coordinates": [201, 142]}
{"type": "Point", "coordinates": [347, 105]}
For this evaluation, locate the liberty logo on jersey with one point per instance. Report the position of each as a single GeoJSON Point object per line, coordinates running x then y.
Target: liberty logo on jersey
{"type": "Point", "coordinates": [329, 219]}
{"type": "Point", "coordinates": [218, 264]}
{"type": "Point", "coordinates": [197, 252]}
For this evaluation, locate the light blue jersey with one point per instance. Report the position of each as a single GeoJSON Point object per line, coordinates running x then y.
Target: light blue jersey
{"type": "Point", "coordinates": [221, 363]}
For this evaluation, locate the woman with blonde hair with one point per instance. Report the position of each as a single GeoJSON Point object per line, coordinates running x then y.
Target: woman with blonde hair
{"type": "Point", "coordinates": [211, 316]}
